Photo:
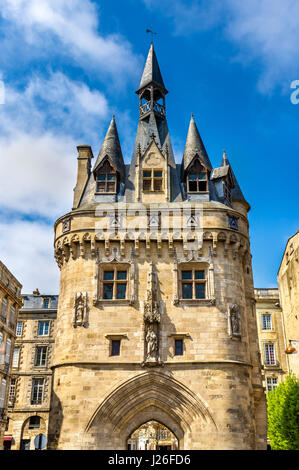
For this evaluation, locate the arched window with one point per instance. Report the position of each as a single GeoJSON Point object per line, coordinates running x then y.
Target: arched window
{"type": "Point", "coordinates": [106, 179]}
{"type": "Point", "coordinates": [197, 179]}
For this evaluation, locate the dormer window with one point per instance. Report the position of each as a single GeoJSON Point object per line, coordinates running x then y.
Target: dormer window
{"type": "Point", "coordinates": [152, 180]}
{"type": "Point", "coordinates": [106, 179]}
{"type": "Point", "coordinates": [197, 179]}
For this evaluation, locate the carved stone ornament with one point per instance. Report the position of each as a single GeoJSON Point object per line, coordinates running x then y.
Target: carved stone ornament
{"type": "Point", "coordinates": [152, 319]}
{"type": "Point", "coordinates": [80, 309]}
{"type": "Point", "coordinates": [233, 222]}
{"type": "Point", "coordinates": [151, 344]}
{"type": "Point", "coordinates": [234, 320]}
{"type": "Point", "coordinates": [66, 225]}
{"type": "Point", "coordinates": [192, 221]}
{"type": "Point", "coordinates": [116, 256]}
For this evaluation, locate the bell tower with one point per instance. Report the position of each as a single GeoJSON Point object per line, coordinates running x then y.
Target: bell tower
{"type": "Point", "coordinates": [152, 90]}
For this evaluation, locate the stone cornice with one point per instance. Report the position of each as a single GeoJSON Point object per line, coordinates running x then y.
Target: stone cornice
{"type": "Point", "coordinates": [12, 295]}
{"type": "Point", "coordinates": [138, 364]}
{"type": "Point", "coordinates": [205, 207]}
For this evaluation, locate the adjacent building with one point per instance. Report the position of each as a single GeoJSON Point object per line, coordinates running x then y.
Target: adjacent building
{"type": "Point", "coordinates": [156, 318]}
{"type": "Point", "coordinates": [10, 302]}
{"type": "Point", "coordinates": [271, 334]}
{"type": "Point", "coordinates": [288, 283]}
{"type": "Point", "coordinates": [31, 375]}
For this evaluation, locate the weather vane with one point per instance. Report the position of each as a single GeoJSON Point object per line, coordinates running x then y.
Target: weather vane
{"type": "Point", "coordinates": [151, 32]}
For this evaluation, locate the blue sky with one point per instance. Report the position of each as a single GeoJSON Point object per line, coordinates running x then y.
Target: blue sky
{"type": "Point", "coordinates": [68, 65]}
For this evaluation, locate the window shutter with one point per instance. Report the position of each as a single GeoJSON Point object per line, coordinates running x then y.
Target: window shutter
{"type": "Point", "coordinates": [8, 347]}
{"type": "Point", "coordinates": [16, 355]}
{"type": "Point", "coordinates": [2, 396]}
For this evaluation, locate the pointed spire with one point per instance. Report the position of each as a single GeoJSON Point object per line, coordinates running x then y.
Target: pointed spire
{"type": "Point", "coordinates": [111, 148]}
{"type": "Point", "coordinates": [225, 161]}
{"type": "Point", "coordinates": [151, 72]}
{"type": "Point", "coordinates": [194, 145]}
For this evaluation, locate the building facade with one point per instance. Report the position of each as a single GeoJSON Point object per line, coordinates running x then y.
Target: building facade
{"type": "Point", "coordinates": [156, 315]}
{"type": "Point", "coordinates": [272, 339]}
{"type": "Point", "coordinates": [10, 302]}
{"type": "Point", "coordinates": [288, 283]}
{"type": "Point", "coordinates": [31, 376]}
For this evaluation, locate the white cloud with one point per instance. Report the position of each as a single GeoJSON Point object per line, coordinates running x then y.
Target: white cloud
{"type": "Point", "coordinates": [71, 27]}
{"type": "Point", "coordinates": [39, 130]}
{"type": "Point", "coordinates": [265, 31]}
{"type": "Point", "coordinates": [26, 248]}
{"type": "Point", "coordinates": [38, 174]}
{"type": "Point", "coordinates": [57, 103]}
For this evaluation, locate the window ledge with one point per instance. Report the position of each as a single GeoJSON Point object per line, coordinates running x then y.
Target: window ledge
{"type": "Point", "coordinates": [116, 336]}
{"type": "Point", "coordinates": [209, 302]}
{"type": "Point", "coordinates": [179, 336]}
{"type": "Point", "coordinates": [112, 302]}
{"type": "Point", "coordinates": [105, 194]}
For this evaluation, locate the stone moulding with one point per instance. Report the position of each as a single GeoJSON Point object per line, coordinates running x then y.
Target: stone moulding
{"type": "Point", "coordinates": [85, 244]}
{"type": "Point", "coordinates": [116, 258]}
{"type": "Point", "coordinates": [160, 390]}
{"type": "Point", "coordinates": [192, 258]}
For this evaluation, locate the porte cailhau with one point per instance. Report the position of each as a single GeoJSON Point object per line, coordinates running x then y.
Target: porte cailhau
{"type": "Point", "coordinates": [156, 329]}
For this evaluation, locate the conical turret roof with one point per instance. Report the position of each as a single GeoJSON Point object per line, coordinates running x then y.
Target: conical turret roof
{"type": "Point", "coordinates": [151, 72]}
{"type": "Point", "coordinates": [111, 148]}
{"type": "Point", "coordinates": [194, 145]}
{"type": "Point", "coordinates": [237, 194]}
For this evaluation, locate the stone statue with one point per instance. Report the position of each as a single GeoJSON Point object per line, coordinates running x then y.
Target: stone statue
{"type": "Point", "coordinates": [234, 316]}
{"type": "Point", "coordinates": [80, 307]}
{"type": "Point", "coordinates": [151, 342]}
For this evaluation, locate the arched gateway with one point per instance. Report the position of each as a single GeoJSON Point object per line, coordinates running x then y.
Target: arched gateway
{"type": "Point", "coordinates": [151, 396]}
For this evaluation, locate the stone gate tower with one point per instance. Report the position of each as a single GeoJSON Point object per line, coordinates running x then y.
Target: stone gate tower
{"type": "Point", "coordinates": [156, 316]}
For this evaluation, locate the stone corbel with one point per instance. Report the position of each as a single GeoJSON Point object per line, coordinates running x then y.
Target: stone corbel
{"type": "Point", "coordinates": [159, 243]}
{"type": "Point", "coordinates": [214, 245]}
{"type": "Point", "coordinates": [170, 243]}
{"type": "Point", "coordinates": [107, 246]}
{"type": "Point", "coordinates": [92, 247]}
{"type": "Point", "coordinates": [66, 250]}
{"type": "Point", "coordinates": [148, 244]}
{"type": "Point", "coordinates": [236, 249]}
{"type": "Point", "coordinates": [137, 246]}
{"type": "Point", "coordinates": [226, 246]}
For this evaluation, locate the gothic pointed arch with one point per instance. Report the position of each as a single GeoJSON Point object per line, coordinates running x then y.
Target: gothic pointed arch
{"type": "Point", "coordinates": [150, 395]}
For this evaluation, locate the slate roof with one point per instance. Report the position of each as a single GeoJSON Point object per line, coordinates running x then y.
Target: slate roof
{"type": "Point", "coordinates": [148, 125]}
{"type": "Point", "coordinates": [194, 145]}
{"type": "Point", "coordinates": [111, 147]}
{"type": "Point", "coordinates": [151, 72]}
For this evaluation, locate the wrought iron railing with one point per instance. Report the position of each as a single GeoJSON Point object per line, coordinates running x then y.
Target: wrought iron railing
{"type": "Point", "coordinates": [157, 107]}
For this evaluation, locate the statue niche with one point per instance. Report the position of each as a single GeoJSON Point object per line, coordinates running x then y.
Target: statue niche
{"type": "Point", "coordinates": [152, 318]}
{"type": "Point", "coordinates": [234, 322]}
{"type": "Point", "coordinates": [80, 310]}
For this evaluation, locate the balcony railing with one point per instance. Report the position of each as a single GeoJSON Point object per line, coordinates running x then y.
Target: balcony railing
{"type": "Point", "coordinates": [157, 107]}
